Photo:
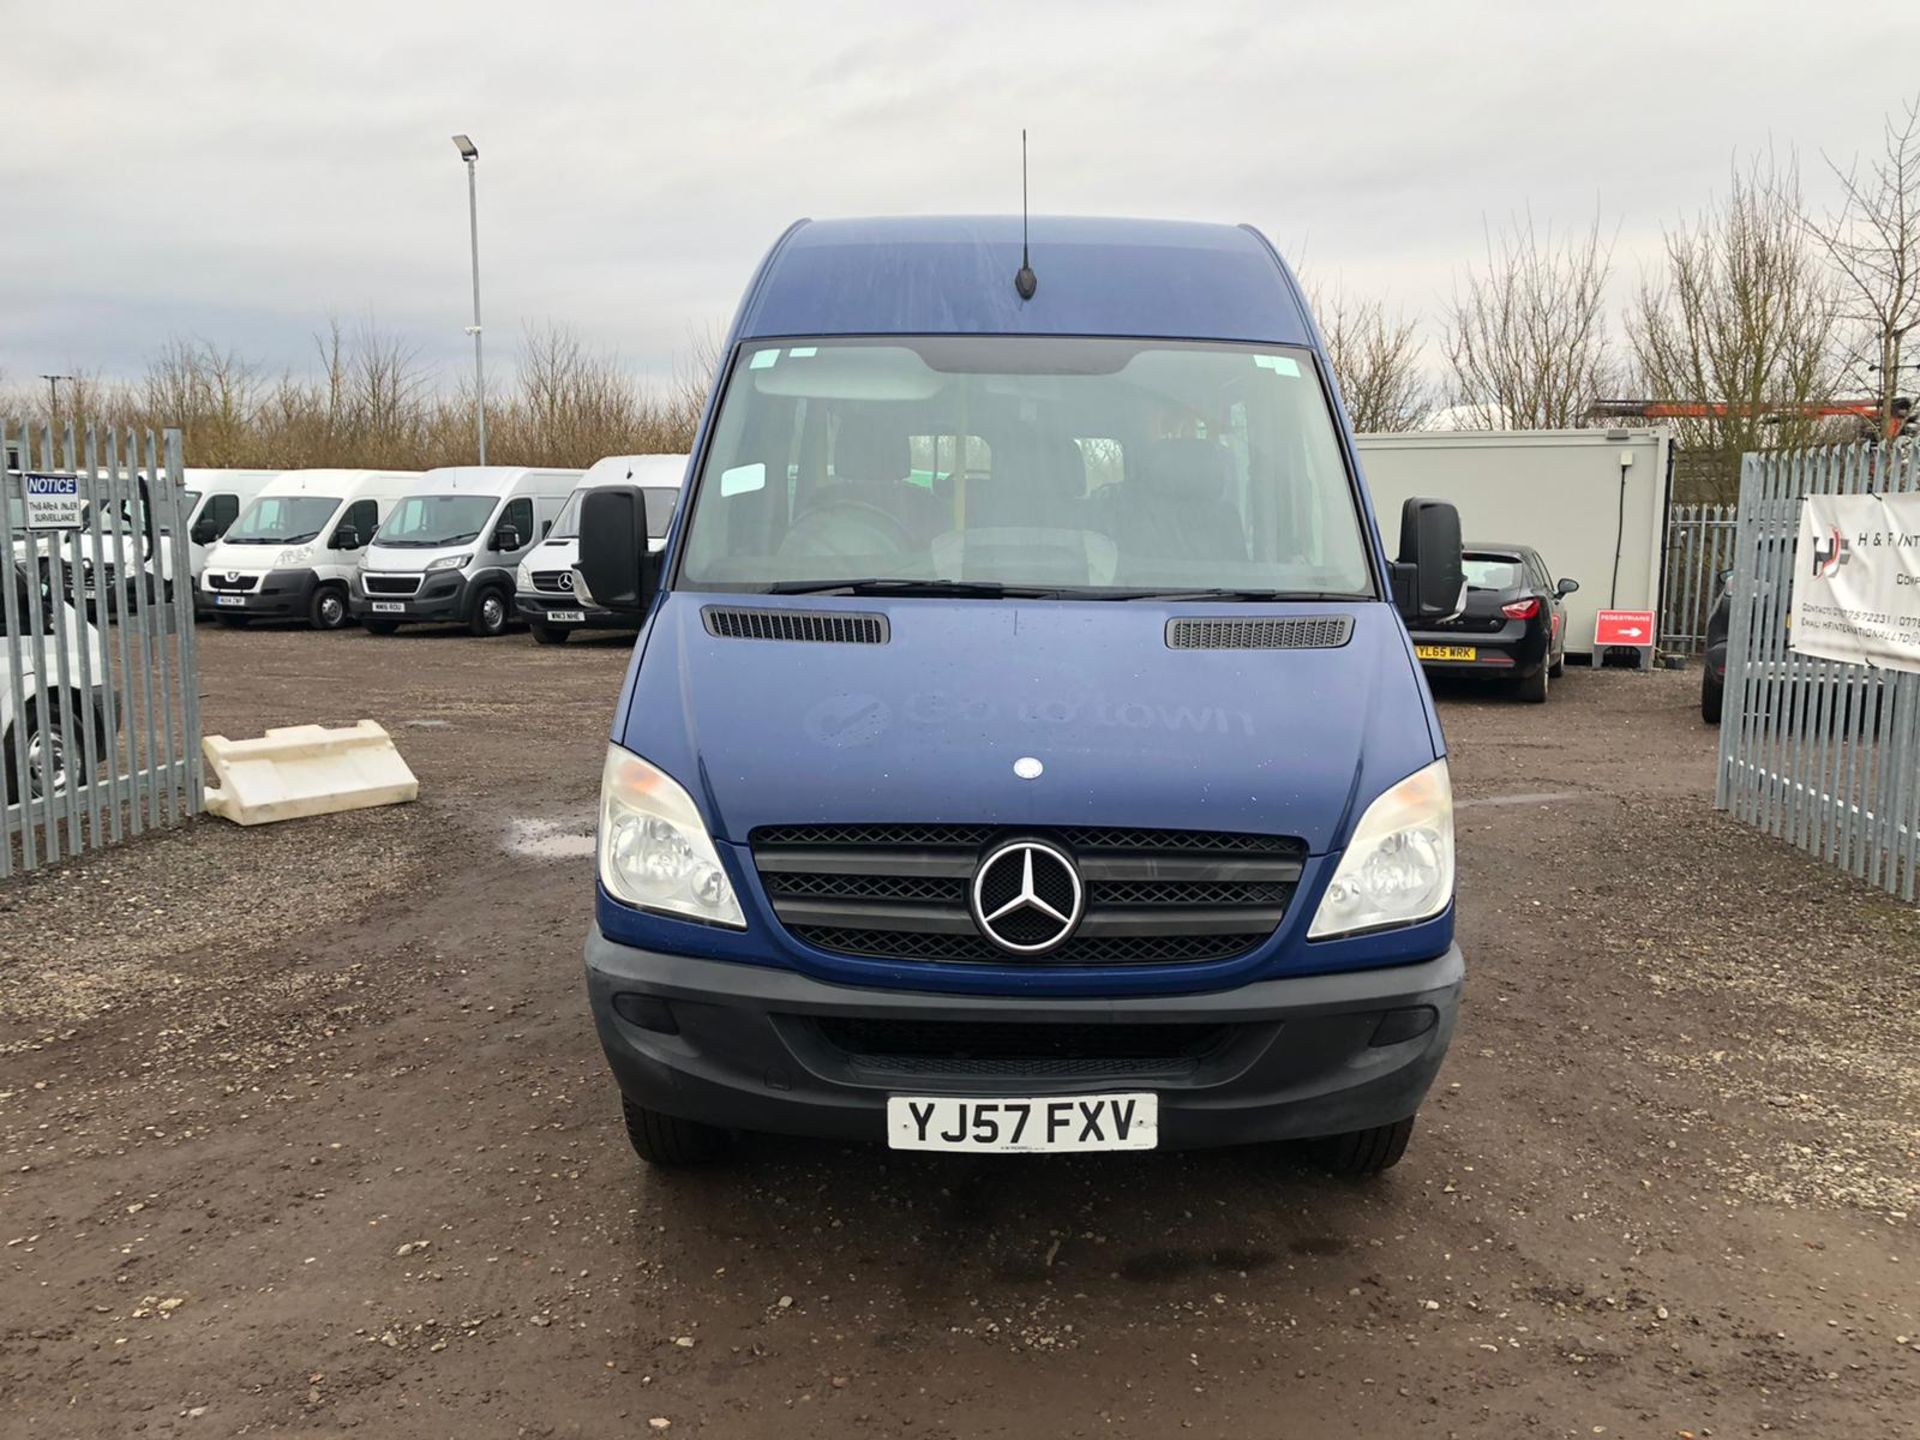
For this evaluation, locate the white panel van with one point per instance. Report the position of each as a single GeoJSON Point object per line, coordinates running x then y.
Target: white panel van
{"type": "Point", "coordinates": [450, 549]}
{"type": "Point", "coordinates": [292, 552]}
{"type": "Point", "coordinates": [544, 586]}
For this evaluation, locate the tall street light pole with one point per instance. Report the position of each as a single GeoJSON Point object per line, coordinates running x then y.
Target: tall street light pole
{"type": "Point", "coordinates": [470, 153]}
{"type": "Point", "coordinates": [53, 398]}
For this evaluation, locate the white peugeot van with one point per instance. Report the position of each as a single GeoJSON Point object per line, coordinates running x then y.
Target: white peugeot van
{"type": "Point", "coordinates": [291, 554]}
{"type": "Point", "coordinates": [545, 595]}
{"type": "Point", "coordinates": [214, 500]}
{"type": "Point", "coordinates": [449, 551]}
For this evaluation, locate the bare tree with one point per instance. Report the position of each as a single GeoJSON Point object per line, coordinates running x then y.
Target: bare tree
{"type": "Point", "coordinates": [1873, 242]}
{"type": "Point", "coordinates": [1740, 323]}
{"type": "Point", "coordinates": [1527, 334]}
{"type": "Point", "coordinates": [1376, 360]}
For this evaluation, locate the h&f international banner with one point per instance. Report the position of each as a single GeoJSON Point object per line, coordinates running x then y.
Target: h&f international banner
{"type": "Point", "coordinates": [1856, 580]}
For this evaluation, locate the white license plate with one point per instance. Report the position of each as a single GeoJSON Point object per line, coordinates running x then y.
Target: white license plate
{"type": "Point", "coordinates": [1024, 1127]}
{"type": "Point", "coordinates": [88, 592]}
{"type": "Point", "coordinates": [388, 607]}
{"type": "Point", "coordinates": [235, 600]}
{"type": "Point", "coordinates": [568, 617]}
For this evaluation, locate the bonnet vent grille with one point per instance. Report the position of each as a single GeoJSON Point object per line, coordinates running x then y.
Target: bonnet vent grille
{"type": "Point", "coordinates": [832, 627]}
{"type": "Point", "coordinates": [1306, 632]}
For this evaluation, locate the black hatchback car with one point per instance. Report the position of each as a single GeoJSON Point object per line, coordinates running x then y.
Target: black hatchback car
{"type": "Point", "coordinates": [1513, 626]}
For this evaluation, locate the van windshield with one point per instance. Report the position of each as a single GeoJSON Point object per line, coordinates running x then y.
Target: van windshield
{"type": "Point", "coordinates": [1099, 468]}
{"type": "Point", "coordinates": [661, 501]}
{"type": "Point", "coordinates": [424, 521]}
{"type": "Point", "coordinates": [282, 520]}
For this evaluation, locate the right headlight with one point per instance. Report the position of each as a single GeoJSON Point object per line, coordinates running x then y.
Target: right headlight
{"type": "Point", "coordinates": [654, 850]}
{"type": "Point", "coordinates": [1398, 868]}
{"type": "Point", "coordinates": [522, 577]}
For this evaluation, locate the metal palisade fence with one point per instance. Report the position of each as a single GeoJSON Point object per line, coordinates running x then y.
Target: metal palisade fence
{"type": "Point", "coordinates": [1699, 551]}
{"type": "Point", "coordinates": [1823, 754]}
{"type": "Point", "coordinates": [99, 697]}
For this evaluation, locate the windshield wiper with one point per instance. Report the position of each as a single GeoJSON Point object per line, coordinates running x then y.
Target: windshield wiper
{"type": "Point", "coordinates": [1223, 593]}
{"type": "Point", "coordinates": [971, 589]}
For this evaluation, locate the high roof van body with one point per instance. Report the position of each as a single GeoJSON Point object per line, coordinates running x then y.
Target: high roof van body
{"type": "Point", "coordinates": [1023, 750]}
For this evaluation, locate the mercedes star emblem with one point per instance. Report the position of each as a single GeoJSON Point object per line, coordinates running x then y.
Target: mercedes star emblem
{"type": "Point", "coordinates": [1027, 897]}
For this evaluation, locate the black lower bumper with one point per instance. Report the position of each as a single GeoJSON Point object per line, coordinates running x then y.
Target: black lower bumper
{"type": "Point", "coordinates": [280, 595]}
{"type": "Point", "coordinates": [443, 598]}
{"type": "Point", "coordinates": [556, 612]}
{"type": "Point", "coordinates": [758, 1048]}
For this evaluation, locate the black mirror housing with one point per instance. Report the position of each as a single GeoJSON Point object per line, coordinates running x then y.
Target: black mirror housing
{"type": "Point", "coordinates": [1566, 586]}
{"type": "Point", "coordinates": [1429, 577]}
{"type": "Point", "coordinates": [506, 537]}
{"type": "Point", "coordinates": [203, 533]}
{"type": "Point", "coordinates": [613, 548]}
{"type": "Point", "coordinates": [345, 538]}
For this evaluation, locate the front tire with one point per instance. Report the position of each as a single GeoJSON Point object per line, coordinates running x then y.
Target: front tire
{"type": "Point", "coordinates": [48, 768]}
{"type": "Point", "coordinates": [548, 634]}
{"type": "Point", "coordinates": [490, 613]}
{"type": "Point", "coordinates": [669, 1142]}
{"type": "Point", "coordinates": [1533, 689]}
{"type": "Point", "coordinates": [1713, 694]}
{"type": "Point", "coordinates": [1361, 1153]}
{"type": "Point", "coordinates": [328, 608]}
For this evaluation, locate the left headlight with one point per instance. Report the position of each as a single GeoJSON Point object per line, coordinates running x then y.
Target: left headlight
{"type": "Point", "coordinates": [1398, 868]}
{"type": "Point", "coordinates": [449, 562]}
{"type": "Point", "coordinates": [654, 850]}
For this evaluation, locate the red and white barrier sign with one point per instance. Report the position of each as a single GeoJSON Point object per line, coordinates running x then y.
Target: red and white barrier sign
{"type": "Point", "coordinates": [1623, 627]}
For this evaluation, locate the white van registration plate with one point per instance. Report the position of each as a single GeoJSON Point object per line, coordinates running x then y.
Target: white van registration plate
{"type": "Point", "coordinates": [388, 607]}
{"type": "Point", "coordinates": [1040, 1126]}
{"type": "Point", "coordinates": [568, 617]}
{"type": "Point", "coordinates": [236, 600]}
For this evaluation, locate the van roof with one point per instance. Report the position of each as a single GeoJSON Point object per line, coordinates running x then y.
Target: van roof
{"type": "Point", "coordinates": [656, 471]}
{"type": "Point", "coordinates": [489, 479]}
{"type": "Point", "coordinates": [945, 275]}
{"type": "Point", "coordinates": [330, 482]}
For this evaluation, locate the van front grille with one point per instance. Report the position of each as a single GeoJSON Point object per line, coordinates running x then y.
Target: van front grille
{"type": "Point", "coordinates": [376, 583]}
{"type": "Point", "coordinates": [1153, 897]}
{"type": "Point", "coordinates": [553, 582]}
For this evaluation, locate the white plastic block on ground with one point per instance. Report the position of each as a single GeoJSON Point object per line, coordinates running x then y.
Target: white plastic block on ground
{"type": "Point", "coordinates": [303, 770]}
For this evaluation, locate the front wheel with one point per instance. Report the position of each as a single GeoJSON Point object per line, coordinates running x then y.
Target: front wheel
{"type": "Point", "coordinates": [548, 634]}
{"type": "Point", "coordinates": [1360, 1153]}
{"type": "Point", "coordinates": [1713, 694]}
{"type": "Point", "coordinates": [489, 613]}
{"type": "Point", "coordinates": [328, 608]}
{"type": "Point", "coordinates": [668, 1141]}
{"type": "Point", "coordinates": [48, 772]}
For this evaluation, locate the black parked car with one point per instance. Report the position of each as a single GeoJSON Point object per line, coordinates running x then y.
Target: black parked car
{"type": "Point", "coordinates": [1713, 665]}
{"type": "Point", "coordinates": [1513, 626]}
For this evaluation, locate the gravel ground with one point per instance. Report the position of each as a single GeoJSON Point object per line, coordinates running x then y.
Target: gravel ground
{"type": "Point", "coordinates": [305, 1130]}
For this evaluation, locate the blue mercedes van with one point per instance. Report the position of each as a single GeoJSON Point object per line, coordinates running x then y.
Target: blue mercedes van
{"type": "Point", "coordinates": [1023, 750]}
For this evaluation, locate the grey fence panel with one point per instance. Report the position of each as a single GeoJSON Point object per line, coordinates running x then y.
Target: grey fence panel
{"type": "Point", "coordinates": [1700, 540]}
{"type": "Point", "coordinates": [99, 681]}
{"type": "Point", "coordinates": [1822, 754]}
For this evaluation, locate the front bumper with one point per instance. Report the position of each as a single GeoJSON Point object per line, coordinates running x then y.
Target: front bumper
{"type": "Point", "coordinates": [538, 608]}
{"type": "Point", "coordinates": [280, 595]}
{"type": "Point", "coordinates": [746, 1048]}
{"type": "Point", "coordinates": [444, 596]}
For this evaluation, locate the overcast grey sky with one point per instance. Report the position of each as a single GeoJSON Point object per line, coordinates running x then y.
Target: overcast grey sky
{"type": "Point", "coordinates": [239, 171]}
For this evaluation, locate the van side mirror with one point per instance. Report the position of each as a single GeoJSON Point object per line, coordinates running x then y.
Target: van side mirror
{"type": "Point", "coordinates": [344, 537]}
{"type": "Point", "coordinates": [506, 537]}
{"type": "Point", "coordinates": [204, 531]}
{"type": "Point", "coordinates": [613, 549]}
{"type": "Point", "coordinates": [1429, 578]}
{"type": "Point", "coordinates": [1566, 586]}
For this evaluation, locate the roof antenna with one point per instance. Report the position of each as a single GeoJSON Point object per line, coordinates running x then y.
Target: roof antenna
{"type": "Point", "coordinates": [1026, 282]}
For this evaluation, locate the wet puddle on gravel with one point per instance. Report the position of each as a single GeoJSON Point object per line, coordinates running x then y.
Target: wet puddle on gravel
{"type": "Point", "coordinates": [550, 839]}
